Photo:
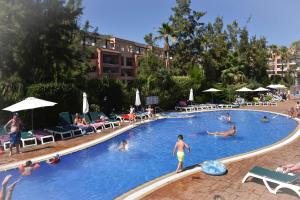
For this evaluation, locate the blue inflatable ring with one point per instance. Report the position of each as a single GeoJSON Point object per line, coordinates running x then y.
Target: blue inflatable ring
{"type": "Point", "coordinates": [213, 167]}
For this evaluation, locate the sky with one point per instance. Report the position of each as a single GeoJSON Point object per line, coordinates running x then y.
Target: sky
{"type": "Point", "coordinates": [277, 20]}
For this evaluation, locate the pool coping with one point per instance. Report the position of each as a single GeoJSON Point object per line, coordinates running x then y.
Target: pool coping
{"type": "Point", "coordinates": [155, 184]}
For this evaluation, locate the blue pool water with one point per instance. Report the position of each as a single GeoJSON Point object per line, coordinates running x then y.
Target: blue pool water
{"type": "Point", "coordinates": [102, 172]}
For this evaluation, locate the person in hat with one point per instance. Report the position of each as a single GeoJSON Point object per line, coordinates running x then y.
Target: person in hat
{"type": "Point", "coordinates": [15, 125]}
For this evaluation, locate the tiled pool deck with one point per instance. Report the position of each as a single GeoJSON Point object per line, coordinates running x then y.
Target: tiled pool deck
{"type": "Point", "coordinates": [198, 185]}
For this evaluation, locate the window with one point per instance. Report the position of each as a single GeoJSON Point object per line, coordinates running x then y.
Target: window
{"type": "Point", "coordinates": [127, 72]}
{"type": "Point", "coordinates": [110, 59]}
{"type": "Point", "coordinates": [129, 61]}
{"type": "Point", "coordinates": [110, 70]}
{"type": "Point", "coordinates": [122, 60]}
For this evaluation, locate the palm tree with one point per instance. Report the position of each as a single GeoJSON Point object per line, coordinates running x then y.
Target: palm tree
{"type": "Point", "coordinates": [166, 31]}
{"type": "Point", "coordinates": [284, 58]}
{"type": "Point", "coordinates": [274, 53]}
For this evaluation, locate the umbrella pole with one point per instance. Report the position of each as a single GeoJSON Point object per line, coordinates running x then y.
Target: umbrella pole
{"type": "Point", "coordinates": [32, 119]}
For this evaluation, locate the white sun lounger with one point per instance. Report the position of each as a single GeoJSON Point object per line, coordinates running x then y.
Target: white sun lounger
{"type": "Point", "coordinates": [268, 176]}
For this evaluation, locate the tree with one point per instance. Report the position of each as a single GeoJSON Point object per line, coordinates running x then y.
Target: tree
{"type": "Point", "coordinates": [40, 42]}
{"type": "Point", "coordinates": [149, 39]}
{"type": "Point", "coordinates": [165, 31]}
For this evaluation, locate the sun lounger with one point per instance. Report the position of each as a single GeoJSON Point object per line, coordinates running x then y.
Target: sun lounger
{"type": "Point", "coordinates": [98, 126]}
{"type": "Point", "coordinates": [268, 176]}
{"type": "Point", "coordinates": [43, 136]}
{"type": "Point", "coordinates": [28, 139]}
{"type": "Point", "coordinates": [4, 140]}
{"type": "Point", "coordinates": [101, 117]}
{"type": "Point", "coordinates": [66, 120]}
{"type": "Point", "coordinates": [61, 132]}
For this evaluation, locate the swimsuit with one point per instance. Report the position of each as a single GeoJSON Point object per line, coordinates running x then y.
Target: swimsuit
{"type": "Point", "coordinates": [15, 138]}
{"type": "Point", "coordinates": [180, 156]}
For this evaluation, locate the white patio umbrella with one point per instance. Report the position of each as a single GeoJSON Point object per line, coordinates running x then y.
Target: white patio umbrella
{"type": "Point", "coordinates": [137, 98]}
{"type": "Point", "coordinates": [244, 89]}
{"type": "Point", "coordinates": [191, 96]}
{"type": "Point", "coordinates": [212, 90]}
{"type": "Point", "coordinates": [85, 104]}
{"type": "Point", "coordinates": [261, 89]}
{"type": "Point", "coordinates": [276, 86]}
{"type": "Point", "coordinates": [29, 103]}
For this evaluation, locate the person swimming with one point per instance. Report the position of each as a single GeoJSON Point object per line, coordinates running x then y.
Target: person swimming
{"type": "Point", "coordinates": [28, 167]}
{"type": "Point", "coordinates": [264, 119]}
{"type": "Point", "coordinates": [123, 145]}
{"type": "Point", "coordinates": [54, 160]}
{"type": "Point", "coordinates": [230, 132]}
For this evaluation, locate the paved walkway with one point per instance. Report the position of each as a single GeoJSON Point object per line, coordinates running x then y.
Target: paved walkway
{"type": "Point", "coordinates": [39, 150]}
{"type": "Point", "coordinates": [201, 186]}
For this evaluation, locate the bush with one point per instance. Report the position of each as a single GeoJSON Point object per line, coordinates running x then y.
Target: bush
{"type": "Point", "coordinates": [67, 97]}
{"type": "Point", "coordinates": [106, 94]}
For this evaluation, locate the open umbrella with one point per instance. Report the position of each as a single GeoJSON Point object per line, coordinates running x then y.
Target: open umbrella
{"type": "Point", "coordinates": [85, 104]}
{"type": "Point", "coordinates": [244, 89]}
{"type": "Point", "coordinates": [212, 90]}
{"type": "Point", "coordinates": [261, 89]}
{"type": "Point", "coordinates": [29, 103]}
{"type": "Point", "coordinates": [191, 96]}
{"type": "Point", "coordinates": [137, 98]}
{"type": "Point", "coordinates": [276, 86]}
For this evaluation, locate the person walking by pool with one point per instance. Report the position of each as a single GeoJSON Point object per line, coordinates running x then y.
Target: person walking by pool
{"type": "Point", "coordinates": [292, 112]}
{"type": "Point", "coordinates": [230, 132]}
{"type": "Point", "coordinates": [15, 125]}
{"type": "Point", "coordinates": [180, 146]}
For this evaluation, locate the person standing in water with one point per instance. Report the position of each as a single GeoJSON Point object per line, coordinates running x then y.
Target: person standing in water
{"type": "Point", "coordinates": [180, 146]}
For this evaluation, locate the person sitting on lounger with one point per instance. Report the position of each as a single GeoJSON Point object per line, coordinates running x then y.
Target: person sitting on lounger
{"type": "Point", "coordinates": [149, 111]}
{"type": "Point", "coordinates": [123, 145]}
{"type": "Point", "coordinates": [289, 168]}
{"type": "Point", "coordinates": [27, 169]}
{"type": "Point", "coordinates": [230, 132]}
{"type": "Point", "coordinates": [79, 121]}
{"type": "Point", "coordinates": [132, 114]}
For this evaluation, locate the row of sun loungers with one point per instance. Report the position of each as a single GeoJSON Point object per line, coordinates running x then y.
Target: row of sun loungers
{"type": "Point", "coordinates": [267, 103]}
{"type": "Point", "coordinates": [65, 130]}
{"type": "Point", "coordinates": [205, 107]}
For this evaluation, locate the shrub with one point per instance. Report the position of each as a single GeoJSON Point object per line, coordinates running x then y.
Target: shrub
{"type": "Point", "coordinates": [67, 97]}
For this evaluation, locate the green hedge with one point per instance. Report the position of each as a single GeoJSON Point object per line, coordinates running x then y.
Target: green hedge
{"type": "Point", "coordinates": [67, 97]}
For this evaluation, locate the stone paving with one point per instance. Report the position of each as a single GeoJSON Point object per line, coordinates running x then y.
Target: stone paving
{"type": "Point", "coordinates": [201, 186]}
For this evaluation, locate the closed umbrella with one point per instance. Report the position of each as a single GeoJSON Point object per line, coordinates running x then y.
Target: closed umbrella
{"type": "Point", "coordinates": [85, 104]}
{"type": "Point", "coordinates": [29, 103]}
{"type": "Point", "coordinates": [212, 90]}
{"type": "Point", "coordinates": [191, 96]}
{"type": "Point", "coordinates": [137, 98]}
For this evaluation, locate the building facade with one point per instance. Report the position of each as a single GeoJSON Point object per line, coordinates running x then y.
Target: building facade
{"type": "Point", "coordinates": [278, 67]}
{"type": "Point", "coordinates": [117, 58]}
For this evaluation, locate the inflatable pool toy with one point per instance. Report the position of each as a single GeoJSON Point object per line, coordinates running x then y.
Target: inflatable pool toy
{"type": "Point", "coordinates": [213, 167]}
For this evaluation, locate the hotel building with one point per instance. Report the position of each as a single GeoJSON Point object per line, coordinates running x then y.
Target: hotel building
{"type": "Point", "coordinates": [117, 58]}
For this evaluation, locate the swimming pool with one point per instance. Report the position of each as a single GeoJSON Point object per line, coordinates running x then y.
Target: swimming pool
{"type": "Point", "coordinates": [102, 172]}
